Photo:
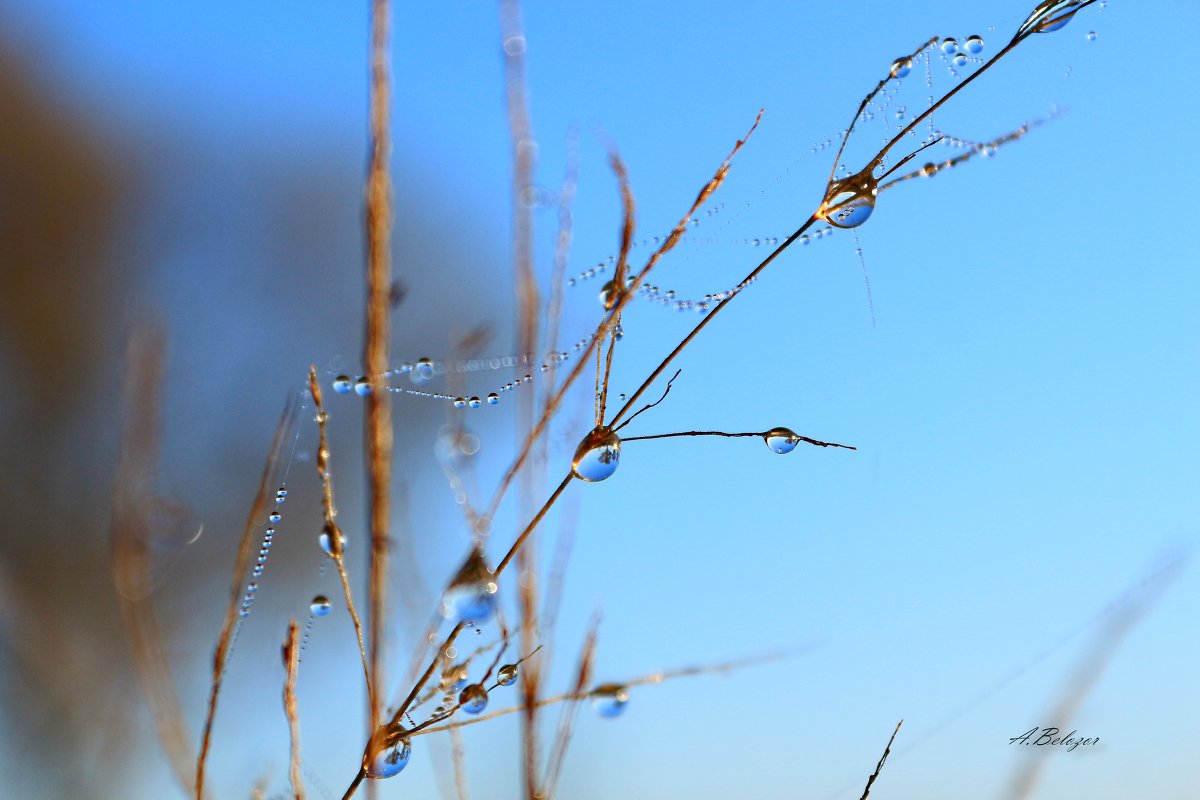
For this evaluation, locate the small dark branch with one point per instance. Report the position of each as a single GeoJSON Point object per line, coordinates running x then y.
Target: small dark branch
{"type": "Point", "coordinates": [882, 758]}
{"type": "Point", "coordinates": [752, 434]}
{"type": "Point", "coordinates": [666, 392]}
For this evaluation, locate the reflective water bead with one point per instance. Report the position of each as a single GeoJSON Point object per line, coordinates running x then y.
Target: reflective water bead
{"type": "Point", "coordinates": [929, 170]}
{"type": "Point", "coordinates": [609, 699]}
{"type": "Point", "coordinates": [1050, 15]}
{"type": "Point", "coordinates": [781, 440]}
{"type": "Point", "coordinates": [320, 605]}
{"type": "Point", "coordinates": [1092, 36]}
{"type": "Point", "coordinates": [507, 675]}
{"type": "Point", "coordinates": [390, 760]}
{"type": "Point", "coordinates": [332, 540]}
{"type": "Point", "coordinates": [474, 402]}
{"type": "Point", "coordinates": [473, 699]}
{"type": "Point", "coordinates": [901, 67]}
{"type": "Point", "coordinates": [422, 371]}
{"type": "Point", "coordinates": [493, 399]}
{"type": "Point", "coordinates": [471, 596]}
{"type": "Point", "coordinates": [974, 45]}
{"type": "Point", "coordinates": [460, 402]}
{"type": "Point", "coordinates": [362, 387]}
{"type": "Point", "coordinates": [597, 456]}
{"type": "Point", "coordinates": [950, 45]}
{"type": "Point", "coordinates": [849, 202]}
{"type": "Point", "coordinates": [455, 677]}
{"type": "Point", "coordinates": [342, 384]}
{"type": "Point", "coordinates": [805, 239]}
{"type": "Point", "coordinates": [275, 516]}
{"type": "Point", "coordinates": [960, 60]}
{"type": "Point", "coordinates": [609, 296]}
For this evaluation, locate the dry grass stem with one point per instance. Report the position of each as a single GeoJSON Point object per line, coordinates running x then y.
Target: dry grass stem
{"type": "Point", "coordinates": [133, 498]}
{"type": "Point", "coordinates": [332, 531]}
{"type": "Point", "coordinates": [291, 658]}
{"type": "Point", "coordinates": [378, 431]}
{"type": "Point", "coordinates": [583, 677]}
{"type": "Point", "coordinates": [752, 434]}
{"type": "Point", "coordinates": [284, 435]}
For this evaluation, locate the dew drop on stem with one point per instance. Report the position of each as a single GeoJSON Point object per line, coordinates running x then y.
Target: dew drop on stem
{"type": "Point", "coordinates": [390, 760]}
{"type": "Point", "coordinates": [320, 605]}
{"type": "Point", "coordinates": [849, 202]}
{"type": "Point", "coordinates": [507, 675]}
{"type": "Point", "coordinates": [609, 700]}
{"type": "Point", "coordinates": [471, 596]}
{"type": "Point", "coordinates": [473, 699]}
{"type": "Point", "coordinates": [597, 456]}
{"type": "Point", "coordinates": [781, 440]}
{"type": "Point", "coordinates": [901, 67]}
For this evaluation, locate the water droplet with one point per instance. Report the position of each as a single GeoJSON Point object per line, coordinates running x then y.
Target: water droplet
{"type": "Point", "coordinates": [332, 540]}
{"type": "Point", "coordinates": [901, 67]}
{"type": "Point", "coordinates": [507, 675]}
{"type": "Point", "coordinates": [805, 239]}
{"type": "Point", "coordinates": [390, 760]}
{"type": "Point", "coordinates": [422, 371]}
{"type": "Point", "coordinates": [950, 45]}
{"type": "Point", "coordinates": [474, 402]}
{"type": "Point", "coordinates": [471, 596]}
{"type": "Point", "coordinates": [1050, 15]}
{"type": "Point", "coordinates": [597, 456]}
{"type": "Point", "coordinates": [362, 387]}
{"type": "Point", "coordinates": [849, 202]}
{"type": "Point", "coordinates": [609, 296]}
{"type": "Point", "coordinates": [342, 384]}
{"type": "Point", "coordinates": [320, 605]}
{"type": "Point", "coordinates": [473, 699]}
{"type": "Point", "coordinates": [455, 677]}
{"type": "Point", "coordinates": [974, 45]}
{"type": "Point", "coordinates": [929, 170]}
{"type": "Point", "coordinates": [275, 516]}
{"type": "Point", "coordinates": [493, 399]}
{"type": "Point", "coordinates": [781, 440]}
{"type": "Point", "coordinates": [460, 402]}
{"type": "Point", "coordinates": [1092, 36]}
{"type": "Point", "coordinates": [609, 699]}
{"type": "Point", "coordinates": [960, 60]}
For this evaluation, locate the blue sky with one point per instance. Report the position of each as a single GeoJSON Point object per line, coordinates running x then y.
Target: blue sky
{"type": "Point", "coordinates": [1020, 379]}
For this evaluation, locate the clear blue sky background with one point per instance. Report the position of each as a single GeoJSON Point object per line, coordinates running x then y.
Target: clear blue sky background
{"type": "Point", "coordinates": [1021, 386]}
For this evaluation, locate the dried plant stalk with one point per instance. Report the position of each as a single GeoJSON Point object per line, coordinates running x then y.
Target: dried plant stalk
{"type": "Point", "coordinates": [879, 767]}
{"type": "Point", "coordinates": [133, 488]}
{"type": "Point", "coordinates": [284, 433]}
{"type": "Point", "coordinates": [291, 658]}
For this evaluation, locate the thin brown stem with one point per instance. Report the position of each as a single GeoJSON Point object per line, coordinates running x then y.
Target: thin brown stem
{"type": "Point", "coordinates": [378, 427]}
{"type": "Point", "coordinates": [606, 325]}
{"type": "Point", "coordinates": [258, 512]}
{"type": "Point", "coordinates": [291, 656]}
{"type": "Point", "coordinates": [325, 474]}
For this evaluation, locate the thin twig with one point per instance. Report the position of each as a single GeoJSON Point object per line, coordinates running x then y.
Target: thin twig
{"type": "Point", "coordinates": [583, 676]}
{"type": "Point", "coordinates": [756, 435]}
{"type": "Point", "coordinates": [882, 758]}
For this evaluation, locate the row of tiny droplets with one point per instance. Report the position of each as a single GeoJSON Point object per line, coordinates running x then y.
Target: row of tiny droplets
{"type": "Point", "coordinates": [423, 370]}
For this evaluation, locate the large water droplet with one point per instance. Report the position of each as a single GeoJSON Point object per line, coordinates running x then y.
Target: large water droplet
{"type": "Point", "coordinates": [342, 384]}
{"type": "Point", "coordinates": [471, 596]}
{"type": "Point", "coordinates": [493, 399]}
{"type": "Point", "coordinates": [597, 456]}
{"type": "Point", "coordinates": [974, 45]}
{"type": "Point", "coordinates": [332, 540]}
{"type": "Point", "coordinates": [609, 296]}
{"type": "Point", "coordinates": [320, 605]}
{"type": "Point", "coordinates": [507, 675]}
{"type": "Point", "coordinates": [455, 677]}
{"type": "Point", "coordinates": [850, 202]}
{"type": "Point", "coordinates": [473, 699]}
{"type": "Point", "coordinates": [609, 699]}
{"type": "Point", "coordinates": [362, 387]}
{"type": "Point", "coordinates": [950, 45]}
{"type": "Point", "coordinates": [390, 760]}
{"type": "Point", "coordinates": [1050, 15]}
{"type": "Point", "coordinates": [959, 60]}
{"type": "Point", "coordinates": [781, 440]}
{"type": "Point", "coordinates": [901, 67]}
{"type": "Point", "coordinates": [422, 371]}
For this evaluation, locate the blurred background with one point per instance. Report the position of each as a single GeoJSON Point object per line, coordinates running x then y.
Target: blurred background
{"type": "Point", "coordinates": [1014, 355]}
